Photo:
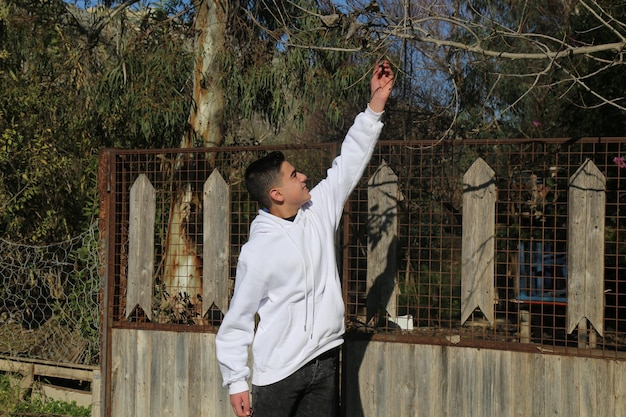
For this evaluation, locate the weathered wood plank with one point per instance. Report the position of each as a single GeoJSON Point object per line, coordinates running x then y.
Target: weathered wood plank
{"type": "Point", "coordinates": [141, 246]}
{"type": "Point", "coordinates": [486, 389]}
{"type": "Point", "coordinates": [570, 400]}
{"type": "Point", "coordinates": [428, 384]}
{"type": "Point", "coordinates": [116, 366]}
{"type": "Point", "coordinates": [448, 382]}
{"type": "Point", "coordinates": [216, 243]}
{"type": "Point", "coordinates": [477, 270]}
{"type": "Point", "coordinates": [123, 372]}
{"type": "Point", "coordinates": [381, 384]}
{"type": "Point", "coordinates": [552, 384]}
{"type": "Point", "coordinates": [441, 388]}
{"type": "Point", "coordinates": [522, 387]}
{"type": "Point", "coordinates": [181, 374]}
{"type": "Point", "coordinates": [196, 370]}
{"type": "Point", "coordinates": [536, 375]}
{"type": "Point", "coordinates": [585, 258]}
{"type": "Point", "coordinates": [588, 388]}
{"type": "Point", "coordinates": [218, 398]}
{"type": "Point", "coordinates": [214, 398]}
{"type": "Point", "coordinates": [143, 384]}
{"type": "Point", "coordinates": [48, 368]}
{"type": "Point", "coordinates": [503, 375]}
{"type": "Point", "coordinates": [445, 406]}
{"type": "Point", "coordinates": [354, 387]}
{"type": "Point", "coordinates": [399, 367]}
{"type": "Point", "coordinates": [157, 364]}
{"type": "Point", "coordinates": [68, 395]}
{"type": "Point", "coordinates": [167, 387]}
{"type": "Point", "coordinates": [382, 236]}
{"type": "Point", "coordinates": [618, 372]}
{"type": "Point", "coordinates": [366, 371]}
{"type": "Point", "coordinates": [97, 408]}
{"type": "Point", "coordinates": [130, 372]}
{"type": "Point", "coordinates": [458, 407]}
{"type": "Point", "coordinates": [473, 378]}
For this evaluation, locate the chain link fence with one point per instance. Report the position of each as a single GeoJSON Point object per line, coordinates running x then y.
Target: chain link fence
{"type": "Point", "coordinates": [49, 300]}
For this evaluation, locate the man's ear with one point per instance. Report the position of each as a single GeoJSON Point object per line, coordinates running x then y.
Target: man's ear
{"type": "Point", "coordinates": [276, 196]}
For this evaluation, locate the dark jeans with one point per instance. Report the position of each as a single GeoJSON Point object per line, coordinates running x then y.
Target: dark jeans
{"type": "Point", "coordinates": [310, 392]}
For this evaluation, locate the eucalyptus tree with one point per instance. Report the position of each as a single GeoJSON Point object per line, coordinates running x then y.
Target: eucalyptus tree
{"type": "Point", "coordinates": [246, 74]}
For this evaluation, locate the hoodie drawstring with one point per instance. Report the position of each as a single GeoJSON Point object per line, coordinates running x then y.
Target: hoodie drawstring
{"type": "Point", "coordinates": [306, 292]}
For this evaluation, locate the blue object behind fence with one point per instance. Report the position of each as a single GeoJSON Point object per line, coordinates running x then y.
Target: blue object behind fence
{"type": "Point", "coordinates": [543, 274]}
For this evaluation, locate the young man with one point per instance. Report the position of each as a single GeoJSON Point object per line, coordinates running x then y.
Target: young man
{"type": "Point", "coordinates": [287, 273]}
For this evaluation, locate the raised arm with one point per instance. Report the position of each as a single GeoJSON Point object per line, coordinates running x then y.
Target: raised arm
{"type": "Point", "coordinates": [356, 149]}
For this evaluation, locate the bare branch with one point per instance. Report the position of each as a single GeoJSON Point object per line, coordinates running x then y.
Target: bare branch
{"type": "Point", "coordinates": [432, 37]}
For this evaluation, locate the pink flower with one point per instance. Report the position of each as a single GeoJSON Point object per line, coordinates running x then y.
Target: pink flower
{"type": "Point", "coordinates": [619, 161]}
{"type": "Point", "coordinates": [536, 123]}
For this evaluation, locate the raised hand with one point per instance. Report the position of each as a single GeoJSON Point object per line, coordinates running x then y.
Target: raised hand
{"type": "Point", "coordinates": [381, 86]}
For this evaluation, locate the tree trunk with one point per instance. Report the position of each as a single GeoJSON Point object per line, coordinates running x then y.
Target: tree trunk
{"type": "Point", "coordinates": [207, 110]}
{"type": "Point", "coordinates": [183, 265]}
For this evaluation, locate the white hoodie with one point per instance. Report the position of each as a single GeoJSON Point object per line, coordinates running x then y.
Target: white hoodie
{"type": "Point", "coordinates": [287, 272]}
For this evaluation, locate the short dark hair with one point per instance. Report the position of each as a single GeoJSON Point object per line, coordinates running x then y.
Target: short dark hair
{"type": "Point", "coordinates": [262, 175]}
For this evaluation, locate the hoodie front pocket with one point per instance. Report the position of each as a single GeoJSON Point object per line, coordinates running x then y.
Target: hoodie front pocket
{"type": "Point", "coordinates": [283, 341]}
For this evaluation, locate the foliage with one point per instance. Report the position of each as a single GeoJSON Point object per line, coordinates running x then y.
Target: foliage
{"type": "Point", "coordinates": [284, 84]}
{"type": "Point", "coordinates": [69, 90]}
{"type": "Point", "coordinates": [12, 403]}
{"type": "Point", "coordinates": [120, 75]}
{"type": "Point", "coordinates": [143, 96]}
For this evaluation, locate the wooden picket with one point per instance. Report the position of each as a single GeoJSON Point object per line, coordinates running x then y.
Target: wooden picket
{"type": "Point", "coordinates": [585, 262]}
{"type": "Point", "coordinates": [216, 243]}
{"type": "Point", "coordinates": [140, 283]}
{"type": "Point", "coordinates": [382, 226]}
{"type": "Point", "coordinates": [478, 260]}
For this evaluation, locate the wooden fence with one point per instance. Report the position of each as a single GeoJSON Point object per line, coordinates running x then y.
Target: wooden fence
{"type": "Point", "coordinates": [151, 369]}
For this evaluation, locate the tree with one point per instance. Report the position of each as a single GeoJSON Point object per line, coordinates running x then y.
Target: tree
{"type": "Point", "coordinates": [182, 277]}
{"type": "Point", "coordinates": [509, 53]}
{"type": "Point", "coordinates": [73, 81]}
{"type": "Point", "coordinates": [42, 180]}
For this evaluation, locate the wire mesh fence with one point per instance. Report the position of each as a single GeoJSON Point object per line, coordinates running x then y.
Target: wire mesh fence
{"type": "Point", "coordinates": [178, 177]}
{"type": "Point", "coordinates": [49, 300]}
{"type": "Point", "coordinates": [530, 297]}
{"type": "Point", "coordinates": [423, 304]}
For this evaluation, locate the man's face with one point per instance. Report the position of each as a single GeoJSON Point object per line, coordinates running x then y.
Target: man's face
{"type": "Point", "coordinates": [292, 186]}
